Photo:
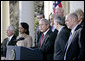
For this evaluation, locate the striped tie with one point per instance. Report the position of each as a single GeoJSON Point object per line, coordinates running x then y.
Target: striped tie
{"type": "Point", "coordinates": [41, 41]}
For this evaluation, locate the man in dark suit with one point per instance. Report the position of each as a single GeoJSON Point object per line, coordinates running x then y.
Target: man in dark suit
{"type": "Point", "coordinates": [80, 15]}
{"type": "Point", "coordinates": [62, 37]}
{"type": "Point", "coordinates": [10, 40]}
{"type": "Point", "coordinates": [55, 31]}
{"type": "Point", "coordinates": [46, 41]}
{"type": "Point", "coordinates": [37, 31]}
{"type": "Point", "coordinates": [75, 47]}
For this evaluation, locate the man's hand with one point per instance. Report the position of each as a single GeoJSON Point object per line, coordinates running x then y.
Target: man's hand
{"type": "Point", "coordinates": [3, 58]}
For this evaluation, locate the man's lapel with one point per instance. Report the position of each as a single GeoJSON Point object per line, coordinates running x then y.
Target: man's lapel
{"type": "Point", "coordinates": [45, 39]}
{"type": "Point", "coordinates": [73, 37]}
{"type": "Point", "coordinates": [12, 39]}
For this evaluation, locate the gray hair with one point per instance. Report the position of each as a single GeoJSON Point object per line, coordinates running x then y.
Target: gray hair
{"type": "Point", "coordinates": [58, 8]}
{"type": "Point", "coordinates": [45, 20]}
{"type": "Point", "coordinates": [59, 19]}
{"type": "Point", "coordinates": [11, 27]}
{"type": "Point", "coordinates": [79, 12]}
{"type": "Point", "coordinates": [73, 15]}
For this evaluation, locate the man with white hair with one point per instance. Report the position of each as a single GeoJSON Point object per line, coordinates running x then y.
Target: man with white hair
{"type": "Point", "coordinates": [10, 40]}
{"type": "Point", "coordinates": [59, 11]}
{"type": "Point", "coordinates": [75, 47]}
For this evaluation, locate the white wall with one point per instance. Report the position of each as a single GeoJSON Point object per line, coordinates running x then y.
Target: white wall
{"type": "Point", "coordinates": [68, 6]}
{"type": "Point", "coordinates": [48, 8]}
{"type": "Point", "coordinates": [5, 18]}
{"type": "Point", "coordinates": [76, 5]}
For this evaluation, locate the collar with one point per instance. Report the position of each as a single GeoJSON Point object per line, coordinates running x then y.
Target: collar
{"type": "Point", "coordinates": [46, 32]}
{"type": "Point", "coordinates": [22, 35]}
{"type": "Point", "coordinates": [60, 28]}
{"type": "Point", "coordinates": [53, 29]}
{"type": "Point", "coordinates": [10, 37]}
{"type": "Point", "coordinates": [74, 28]}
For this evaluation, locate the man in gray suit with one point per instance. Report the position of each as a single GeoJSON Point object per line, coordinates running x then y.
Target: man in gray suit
{"type": "Point", "coordinates": [75, 47]}
{"type": "Point", "coordinates": [62, 37]}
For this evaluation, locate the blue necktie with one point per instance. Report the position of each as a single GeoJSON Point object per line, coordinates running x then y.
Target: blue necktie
{"type": "Point", "coordinates": [69, 42]}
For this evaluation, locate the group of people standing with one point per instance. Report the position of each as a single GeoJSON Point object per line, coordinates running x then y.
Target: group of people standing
{"type": "Point", "coordinates": [60, 38]}
{"type": "Point", "coordinates": [66, 39]}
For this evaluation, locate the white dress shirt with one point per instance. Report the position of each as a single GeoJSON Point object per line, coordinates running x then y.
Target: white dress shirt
{"type": "Point", "coordinates": [9, 38]}
{"type": "Point", "coordinates": [60, 29]}
{"type": "Point", "coordinates": [46, 32]}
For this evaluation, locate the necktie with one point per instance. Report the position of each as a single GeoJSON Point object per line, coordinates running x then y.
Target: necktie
{"type": "Point", "coordinates": [41, 41]}
{"type": "Point", "coordinates": [68, 44]}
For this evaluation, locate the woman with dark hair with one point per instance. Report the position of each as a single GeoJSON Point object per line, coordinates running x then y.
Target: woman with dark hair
{"type": "Point", "coordinates": [24, 39]}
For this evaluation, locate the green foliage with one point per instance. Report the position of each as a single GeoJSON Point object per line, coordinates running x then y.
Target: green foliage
{"type": "Point", "coordinates": [39, 7]}
{"type": "Point", "coordinates": [16, 32]}
{"type": "Point", "coordinates": [36, 22]}
{"type": "Point", "coordinates": [17, 29]}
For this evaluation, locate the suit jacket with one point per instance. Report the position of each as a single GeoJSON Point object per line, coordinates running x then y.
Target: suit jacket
{"type": "Point", "coordinates": [47, 46]}
{"type": "Point", "coordinates": [4, 45]}
{"type": "Point", "coordinates": [37, 35]}
{"type": "Point", "coordinates": [60, 42]}
{"type": "Point", "coordinates": [76, 50]}
{"type": "Point", "coordinates": [55, 31]}
{"type": "Point", "coordinates": [81, 25]}
{"type": "Point", "coordinates": [27, 42]}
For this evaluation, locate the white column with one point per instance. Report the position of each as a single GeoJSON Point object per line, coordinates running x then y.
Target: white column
{"type": "Point", "coordinates": [74, 5]}
{"type": "Point", "coordinates": [26, 14]}
{"type": "Point", "coordinates": [65, 6]}
{"type": "Point", "coordinates": [51, 6]}
{"type": "Point", "coordinates": [48, 5]}
{"type": "Point", "coordinates": [46, 9]}
{"type": "Point", "coordinates": [5, 20]}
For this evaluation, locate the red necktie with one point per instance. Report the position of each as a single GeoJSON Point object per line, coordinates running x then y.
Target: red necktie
{"type": "Point", "coordinates": [41, 39]}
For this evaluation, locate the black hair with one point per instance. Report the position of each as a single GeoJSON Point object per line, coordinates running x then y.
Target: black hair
{"type": "Point", "coordinates": [40, 13]}
{"type": "Point", "coordinates": [25, 26]}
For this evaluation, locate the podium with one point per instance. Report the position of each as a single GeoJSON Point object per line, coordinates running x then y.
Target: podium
{"type": "Point", "coordinates": [23, 53]}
